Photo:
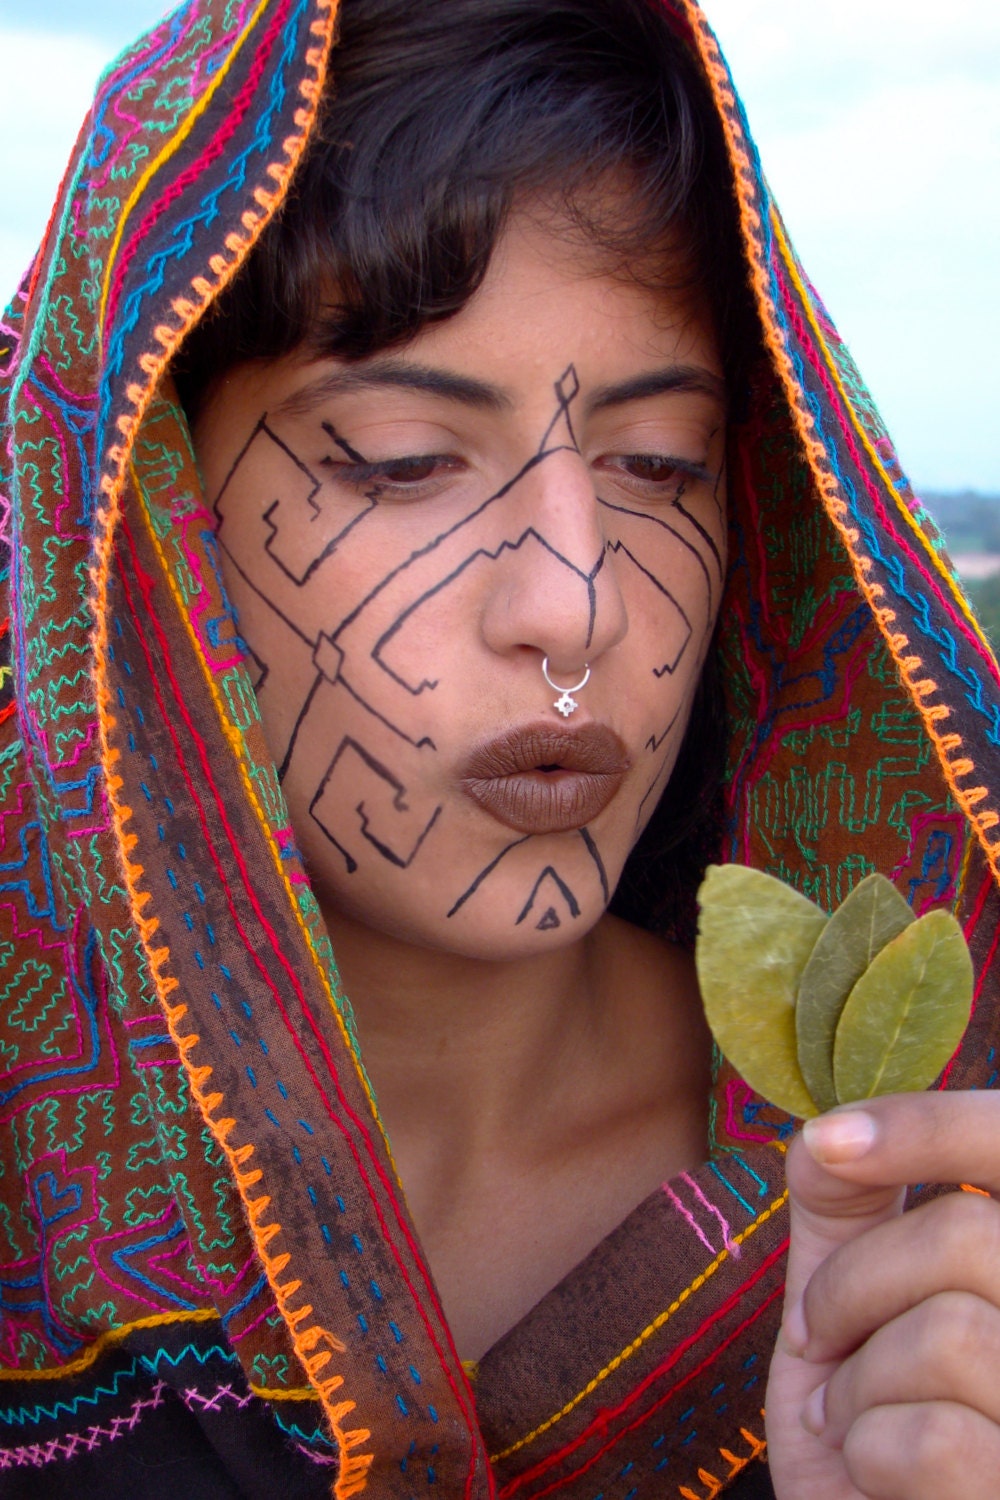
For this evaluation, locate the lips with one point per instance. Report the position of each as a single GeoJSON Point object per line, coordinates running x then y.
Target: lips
{"type": "Point", "coordinates": [546, 779]}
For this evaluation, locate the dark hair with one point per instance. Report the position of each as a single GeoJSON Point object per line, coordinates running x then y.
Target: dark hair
{"type": "Point", "coordinates": [685, 834]}
{"type": "Point", "coordinates": [441, 114]}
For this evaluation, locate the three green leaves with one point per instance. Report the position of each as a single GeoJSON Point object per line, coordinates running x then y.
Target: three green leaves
{"type": "Point", "coordinates": [815, 1011]}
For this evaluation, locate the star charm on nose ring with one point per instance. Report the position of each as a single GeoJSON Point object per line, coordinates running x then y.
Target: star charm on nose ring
{"type": "Point", "coordinates": [565, 703]}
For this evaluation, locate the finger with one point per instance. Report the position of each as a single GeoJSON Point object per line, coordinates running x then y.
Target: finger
{"type": "Point", "coordinates": [947, 1349]}
{"type": "Point", "coordinates": [952, 1243]}
{"type": "Point", "coordinates": [826, 1212]}
{"type": "Point", "coordinates": [847, 1170]}
{"type": "Point", "coordinates": [907, 1138]}
{"type": "Point", "coordinates": [935, 1450]}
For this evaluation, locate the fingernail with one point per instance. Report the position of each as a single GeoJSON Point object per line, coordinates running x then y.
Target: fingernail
{"type": "Point", "coordinates": [839, 1137]}
{"type": "Point", "coordinates": [813, 1416]}
{"type": "Point", "coordinates": [794, 1332]}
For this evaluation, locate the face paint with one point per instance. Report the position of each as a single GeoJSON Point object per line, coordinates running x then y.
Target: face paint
{"type": "Point", "coordinates": [407, 538]}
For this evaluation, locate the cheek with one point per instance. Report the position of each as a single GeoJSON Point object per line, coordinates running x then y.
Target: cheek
{"type": "Point", "coordinates": [670, 571]}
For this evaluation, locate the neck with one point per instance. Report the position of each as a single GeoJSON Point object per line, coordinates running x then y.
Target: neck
{"type": "Point", "coordinates": [461, 1049]}
{"type": "Point", "coordinates": [531, 1104]}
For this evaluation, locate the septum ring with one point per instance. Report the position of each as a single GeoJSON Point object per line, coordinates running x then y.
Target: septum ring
{"type": "Point", "coordinates": [565, 703]}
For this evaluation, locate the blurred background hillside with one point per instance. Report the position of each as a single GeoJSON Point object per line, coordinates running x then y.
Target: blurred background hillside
{"type": "Point", "coordinates": [971, 526]}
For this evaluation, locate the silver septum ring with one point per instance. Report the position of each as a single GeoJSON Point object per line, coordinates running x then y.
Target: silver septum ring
{"type": "Point", "coordinates": [565, 703]}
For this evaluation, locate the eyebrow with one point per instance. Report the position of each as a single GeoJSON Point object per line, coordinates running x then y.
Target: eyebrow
{"type": "Point", "coordinates": [401, 375]}
{"type": "Point", "coordinates": [658, 383]}
{"type": "Point", "coordinates": [481, 395]}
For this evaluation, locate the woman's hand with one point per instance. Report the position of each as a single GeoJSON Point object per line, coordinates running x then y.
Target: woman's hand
{"type": "Point", "coordinates": [885, 1382]}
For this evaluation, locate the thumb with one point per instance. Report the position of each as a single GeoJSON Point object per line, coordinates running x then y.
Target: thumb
{"type": "Point", "coordinates": [827, 1210]}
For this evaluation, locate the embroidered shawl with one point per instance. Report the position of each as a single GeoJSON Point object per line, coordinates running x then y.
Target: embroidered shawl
{"type": "Point", "coordinates": [204, 1250]}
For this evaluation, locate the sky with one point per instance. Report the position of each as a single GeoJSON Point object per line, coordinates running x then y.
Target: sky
{"type": "Point", "coordinates": [878, 122]}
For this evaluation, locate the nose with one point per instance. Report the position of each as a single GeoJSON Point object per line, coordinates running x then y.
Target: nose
{"type": "Point", "coordinates": [556, 590]}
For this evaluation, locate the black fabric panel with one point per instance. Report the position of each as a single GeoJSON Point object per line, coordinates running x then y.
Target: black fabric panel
{"type": "Point", "coordinates": [753, 1484]}
{"type": "Point", "coordinates": [169, 1417]}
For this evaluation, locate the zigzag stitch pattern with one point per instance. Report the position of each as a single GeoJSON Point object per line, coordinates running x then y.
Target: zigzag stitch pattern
{"type": "Point", "coordinates": [947, 745]}
{"type": "Point", "coordinates": [462, 1395]}
{"type": "Point", "coordinates": [67, 1445]}
{"type": "Point", "coordinates": [111, 1337]}
{"type": "Point", "coordinates": [908, 665]}
{"type": "Point", "coordinates": [170, 149]}
{"type": "Point", "coordinates": [353, 1466]}
{"type": "Point", "coordinates": [235, 740]}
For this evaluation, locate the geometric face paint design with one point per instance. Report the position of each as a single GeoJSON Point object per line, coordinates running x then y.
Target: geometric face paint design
{"type": "Point", "coordinates": [396, 605]}
{"type": "Point", "coordinates": [375, 632]}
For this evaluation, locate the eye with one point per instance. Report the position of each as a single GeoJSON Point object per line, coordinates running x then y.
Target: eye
{"type": "Point", "coordinates": [652, 467]}
{"type": "Point", "coordinates": [408, 470]}
{"type": "Point", "coordinates": [408, 475]}
{"type": "Point", "coordinates": [653, 476]}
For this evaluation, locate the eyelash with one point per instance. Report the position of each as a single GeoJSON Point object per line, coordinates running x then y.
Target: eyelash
{"type": "Point", "coordinates": [358, 475]}
{"type": "Point", "coordinates": [679, 469]}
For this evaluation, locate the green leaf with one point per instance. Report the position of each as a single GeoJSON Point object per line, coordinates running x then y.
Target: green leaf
{"type": "Point", "coordinates": [906, 1015]}
{"type": "Point", "coordinates": [755, 935]}
{"type": "Point", "coordinates": [871, 916]}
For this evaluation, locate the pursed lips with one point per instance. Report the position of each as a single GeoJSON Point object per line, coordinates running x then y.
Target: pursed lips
{"type": "Point", "coordinates": [543, 778]}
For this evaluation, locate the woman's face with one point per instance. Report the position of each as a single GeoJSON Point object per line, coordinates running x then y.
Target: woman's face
{"type": "Point", "coordinates": [407, 538]}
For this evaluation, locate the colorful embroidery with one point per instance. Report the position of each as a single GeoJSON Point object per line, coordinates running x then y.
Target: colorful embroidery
{"type": "Point", "coordinates": [200, 1210]}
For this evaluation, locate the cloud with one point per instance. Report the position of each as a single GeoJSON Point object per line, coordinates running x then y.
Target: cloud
{"type": "Point", "coordinates": [38, 126]}
{"type": "Point", "coordinates": [878, 123]}
{"type": "Point", "coordinates": [879, 127]}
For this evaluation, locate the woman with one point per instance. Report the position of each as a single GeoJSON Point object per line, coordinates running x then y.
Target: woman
{"type": "Point", "coordinates": [408, 440]}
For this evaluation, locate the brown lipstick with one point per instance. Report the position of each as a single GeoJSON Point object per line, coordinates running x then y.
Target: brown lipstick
{"type": "Point", "coordinates": [544, 778]}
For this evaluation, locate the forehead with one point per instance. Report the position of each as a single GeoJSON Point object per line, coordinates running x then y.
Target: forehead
{"type": "Point", "coordinates": [547, 286]}
{"type": "Point", "coordinates": [548, 299]}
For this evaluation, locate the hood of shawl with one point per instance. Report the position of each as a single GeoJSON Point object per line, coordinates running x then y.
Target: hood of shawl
{"type": "Point", "coordinates": [149, 228]}
{"type": "Point", "coordinates": [863, 699]}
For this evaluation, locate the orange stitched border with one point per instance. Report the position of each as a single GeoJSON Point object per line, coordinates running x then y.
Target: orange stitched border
{"type": "Point", "coordinates": [172, 146]}
{"type": "Point", "coordinates": [758, 1449]}
{"type": "Point", "coordinates": [235, 741]}
{"type": "Point", "coordinates": [946, 744]}
{"type": "Point", "coordinates": [314, 1345]}
{"type": "Point", "coordinates": [646, 1334]}
{"type": "Point", "coordinates": [156, 1320]}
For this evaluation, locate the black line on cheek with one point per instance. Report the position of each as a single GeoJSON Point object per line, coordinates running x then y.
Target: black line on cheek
{"type": "Point", "coordinates": [483, 874]}
{"type": "Point", "coordinates": [424, 742]}
{"type": "Point", "coordinates": [420, 553]}
{"type": "Point", "coordinates": [646, 796]}
{"type": "Point", "coordinates": [654, 743]}
{"type": "Point", "coordinates": [255, 587]}
{"type": "Point", "coordinates": [592, 850]}
{"type": "Point", "coordinates": [720, 507]}
{"type": "Point", "coordinates": [262, 423]}
{"type": "Point", "coordinates": [702, 533]}
{"type": "Point", "coordinates": [659, 521]}
{"type": "Point", "coordinates": [506, 545]}
{"type": "Point", "coordinates": [388, 781]}
{"type": "Point", "coordinates": [383, 849]}
{"type": "Point", "coordinates": [283, 768]}
{"type": "Point", "coordinates": [592, 594]}
{"type": "Point", "coordinates": [668, 667]}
